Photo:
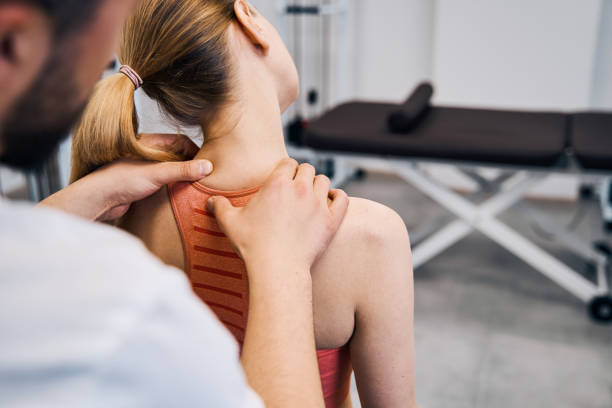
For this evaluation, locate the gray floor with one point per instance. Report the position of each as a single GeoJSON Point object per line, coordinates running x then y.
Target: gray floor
{"type": "Point", "coordinates": [492, 332]}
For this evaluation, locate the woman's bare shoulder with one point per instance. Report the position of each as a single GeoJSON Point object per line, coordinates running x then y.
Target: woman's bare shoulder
{"type": "Point", "coordinates": [370, 233]}
{"type": "Point", "coordinates": [356, 263]}
{"type": "Point", "coordinates": [369, 225]}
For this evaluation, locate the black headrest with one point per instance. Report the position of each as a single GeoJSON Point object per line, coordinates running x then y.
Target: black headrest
{"type": "Point", "coordinates": [409, 115]}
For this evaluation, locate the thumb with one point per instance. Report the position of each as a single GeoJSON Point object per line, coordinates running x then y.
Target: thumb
{"type": "Point", "coordinates": [171, 172]}
{"type": "Point", "coordinates": [180, 145]}
{"type": "Point", "coordinates": [223, 211]}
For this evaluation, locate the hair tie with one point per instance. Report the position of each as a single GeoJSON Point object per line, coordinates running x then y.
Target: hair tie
{"type": "Point", "coordinates": [130, 73]}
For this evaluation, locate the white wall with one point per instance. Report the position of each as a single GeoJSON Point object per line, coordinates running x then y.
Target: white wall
{"type": "Point", "coordinates": [153, 121]}
{"type": "Point", "coordinates": [521, 54]}
{"type": "Point", "coordinates": [394, 45]}
{"type": "Point", "coordinates": [601, 91]}
{"type": "Point", "coordinates": [524, 54]}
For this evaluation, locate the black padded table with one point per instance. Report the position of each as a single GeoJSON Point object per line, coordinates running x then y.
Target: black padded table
{"type": "Point", "coordinates": [526, 146]}
{"type": "Point", "coordinates": [475, 135]}
{"type": "Point", "coordinates": [591, 139]}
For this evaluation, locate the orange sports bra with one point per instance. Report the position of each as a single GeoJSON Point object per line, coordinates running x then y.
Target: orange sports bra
{"type": "Point", "coordinates": [219, 278]}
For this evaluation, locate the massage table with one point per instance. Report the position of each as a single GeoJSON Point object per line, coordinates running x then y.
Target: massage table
{"type": "Point", "coordinates": [525, 147]}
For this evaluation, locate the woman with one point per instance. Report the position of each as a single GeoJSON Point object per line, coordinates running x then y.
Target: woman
{"type": "Point", "coordinates": [220, 65]}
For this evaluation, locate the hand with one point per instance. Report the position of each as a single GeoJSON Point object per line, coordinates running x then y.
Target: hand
{"type": "Point", "coordinates": [181, 145]}
{"type": "Point", "coordinates": [107, 193]}
{"type": "Point", "coordinates": [124, 182]}
{"type": "Point", "coordinates": [280, 234]}
{"type": "Point", "coordinates": [293, 217]}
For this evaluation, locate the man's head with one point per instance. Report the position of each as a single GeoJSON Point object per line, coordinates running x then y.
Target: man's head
{"type": "Point", "coordinates": [52, 52]}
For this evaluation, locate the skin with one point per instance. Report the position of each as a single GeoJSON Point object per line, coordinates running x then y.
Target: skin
{"type": "Point", "coordinates": [20, 65]}
{"type": "Point", "coordinates": [26, 43]}
{"type": "Point", "coordinates": [362, 283]}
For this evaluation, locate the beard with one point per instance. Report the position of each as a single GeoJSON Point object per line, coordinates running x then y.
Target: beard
{"type": "Point", "coordinates": [43, 117]}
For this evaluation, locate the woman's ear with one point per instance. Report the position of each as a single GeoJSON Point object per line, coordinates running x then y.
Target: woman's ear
{"type": "Point", "coordinates": [247, 18]}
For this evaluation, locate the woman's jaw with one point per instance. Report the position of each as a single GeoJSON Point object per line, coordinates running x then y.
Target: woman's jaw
{"type": "Point", "coordinates": [257, 48]}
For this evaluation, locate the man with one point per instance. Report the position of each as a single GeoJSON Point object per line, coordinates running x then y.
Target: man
{"type": "Point", "coordinates": [87, 316]}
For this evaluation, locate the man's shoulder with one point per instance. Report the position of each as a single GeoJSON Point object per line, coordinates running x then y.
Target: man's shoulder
{"type": "Point", "coordinates": [61, 268]}
{"type": "Point", "coordinates": [34, 237]}
{"type": "Point", "coordinates": [90, 303]}
{"type": "Point", "coordinates": [47, 255]}
{"type": "Point", "coordinates": [41, 225]}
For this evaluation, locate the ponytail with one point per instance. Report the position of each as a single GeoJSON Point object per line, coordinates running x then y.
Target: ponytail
{"type": "Point", "coordinates": [179, 48]}
{"type": "Point", "coordinates": [108, 129]}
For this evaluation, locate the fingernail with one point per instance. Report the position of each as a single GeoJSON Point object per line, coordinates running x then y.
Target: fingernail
{"type": "Point", "coordinates": [210, 204]}
{"type": "Point", "coordinates": [206, 167]}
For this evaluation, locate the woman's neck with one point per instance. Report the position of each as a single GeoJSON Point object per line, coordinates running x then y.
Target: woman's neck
{"type": "Point", "coordinates": [245, 154]}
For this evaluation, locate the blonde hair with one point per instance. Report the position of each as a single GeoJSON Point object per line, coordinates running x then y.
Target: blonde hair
{"type": "Point", "coordinates": [179, 48]}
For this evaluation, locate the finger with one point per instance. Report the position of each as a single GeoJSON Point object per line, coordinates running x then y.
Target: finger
{"type": "Point", "coordinates": [184, 147]}
{"type": "Point", "coordinates": [190, 149]}
{"type": "Point", "coordinates": [157, 140]}
{"type": "Point", "coordinates": [306, 174]}
{"type": "Point", "coordinates": [180, 145]}
{"type": "Point", "coordinates": [285, 169]}
{"type": "Point", "coordinates": [338, 207]}
{"type": "Point", "coordinates": [321, 186]}
{"type": "Point", "coordinates": [172, 172]}
{"type": "Point", "coordinates": [223, 210]}
{"type": "Point", "coordinates": [114, 213]}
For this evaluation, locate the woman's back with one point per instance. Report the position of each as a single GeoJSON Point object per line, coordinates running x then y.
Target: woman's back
{"type": "Point", "coordinates": [219, 277]}
{"type": "Point", "coordinates": [175, 226]}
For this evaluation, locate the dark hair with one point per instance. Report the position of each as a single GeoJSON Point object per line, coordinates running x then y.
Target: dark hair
{"type": "Point", "coordinates": [67, 16]}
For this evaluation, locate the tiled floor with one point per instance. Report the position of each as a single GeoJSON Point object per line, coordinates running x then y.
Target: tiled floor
{"type": "Point", "coordinates": [492, 332]}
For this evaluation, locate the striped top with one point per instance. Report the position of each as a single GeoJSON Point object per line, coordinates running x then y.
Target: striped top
{"type": "Point", "coordinates": [218, 276]}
